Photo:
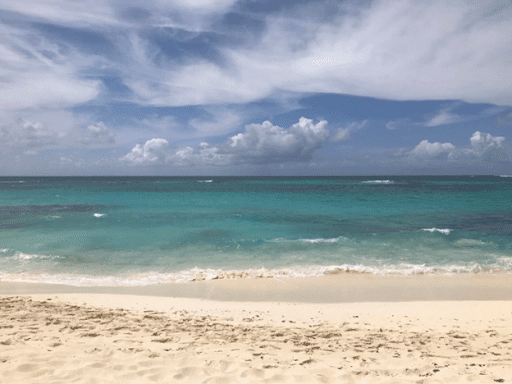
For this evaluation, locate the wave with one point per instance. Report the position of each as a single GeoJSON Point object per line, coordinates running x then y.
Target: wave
{"type": "Point", "coordinates": [503, 265]}
{"type": "Point", "coordinates": [445, 231]}
{"type": "Point", "coordinates": [205, 181]}
{"type": "Point", "coordinates": [334, 240]}
{"type": "Point", "coordinates": [99, 214]}
{"type": "Point", "coordinates": [313, 241]}
{"type": "Point", "coordinates": [28, 256]}
{"type": "Point", "coordinates": [378, 182]}
{"type": "Point", "coordinates": [5, 250]}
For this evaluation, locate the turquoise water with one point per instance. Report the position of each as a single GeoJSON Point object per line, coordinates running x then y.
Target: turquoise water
{"type": "Point", "coordinates": [148, 230]}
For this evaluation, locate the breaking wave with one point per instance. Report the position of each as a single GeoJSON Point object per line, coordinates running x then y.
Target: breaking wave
{"type": "Point", "coordinates": [503, 265]}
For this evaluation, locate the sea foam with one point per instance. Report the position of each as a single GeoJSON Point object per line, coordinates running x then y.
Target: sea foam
{"type": "Point", "coordinates": [334, 240]}
{"type": "Point", "coordinates": [378, 182]}
{"type": "Point", "coordinates": [445, 231]}
{"type": "Point", "coordinates": [504, 265]}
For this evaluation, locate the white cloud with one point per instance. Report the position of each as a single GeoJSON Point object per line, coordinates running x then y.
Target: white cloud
{"type": "Point", "coordinates": [98, 134]}
{"type": "Point", "coordinates": [66, 160]}
{"type": "Point", "coordinates": [399, 50]}
{"type": "Point", "coordinates": [483, 141]}
{"type": "Point", "coordinates": [154, 151]}
{"type": "Point", "coordinates": [106, 13]}
{"type": "Point", "coordinates": [389, 49]}
{"type": "Point", "coordinates": [399, 123]}
{"type": "Point", "coordinates": [221, 121]}
{"type": "Point", "coordinates": [445, 116]}
{"type": "Point", "coordinates": [436, 150]}
{"type": "Point", "coordinates": [483, 147]}
{"type": "Point", "coordinates": [267, 143]}
{"type": "Point", "coordinates": [203, 155]}
{"type": "Point", "coordinates": [260, 144]}
{"type": "Point", "coordinates": [22, 91]}
{"type": "Point", "coordinates": [31, 136]}
{"type": "Point", "coordinates": [490, 148]}
{"type": "Point", "coordinates": [30, 79]}
{"type": "Point", "coordinates": [344, 133]}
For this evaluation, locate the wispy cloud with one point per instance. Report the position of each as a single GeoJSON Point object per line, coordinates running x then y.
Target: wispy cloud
{"type": "Point", "coordinates": [395, 50]}
{"type": "Point", "coordinates": [445, 116]}
{"type": "Point", "coordinates": [344, 133]}
{"type": "Point", "coordinates": [400, 123]}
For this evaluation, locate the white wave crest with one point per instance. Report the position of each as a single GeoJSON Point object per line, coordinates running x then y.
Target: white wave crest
{"type": "Point", "coordinates": [334, 240]}
{"type": "Point", "coordinates": [99, 214]}
{"type": "Point", "coordinates": [27, 256]}
{"type": "Point", "coordinates": [312, 241]}
{"type": "Point", "coordinates": [205, 181]}
{"type": "Point", "coordinates": [378, 182]}
{"type": "Point", "coordinates": [445, 231]}
{"type": "Point", "coordinates": [504, 265]}
{"type": "Point", "coordinates": [5, 250]}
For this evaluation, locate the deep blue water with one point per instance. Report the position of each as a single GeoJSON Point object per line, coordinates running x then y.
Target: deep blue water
{"type": "Point", "coordinates": [146, 230]}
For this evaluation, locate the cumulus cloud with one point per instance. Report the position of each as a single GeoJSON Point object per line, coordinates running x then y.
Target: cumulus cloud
{"type": "Point", "coordinates": [436, 150]}
{"type": "Point", "coordinates": [154, 151]}
{"type": "Point", "coordinates": [267, 143]}
{"type": "Point", "coordinates": [489, 148]}
{"type": "Point", "coordinates": [344, 133]}
{"type": "Point", "coordinates": [483, 147]}
{"type": "Point", "coordinates": [260, 144]}
{"type": "Point", "coordinates": [483, 141]}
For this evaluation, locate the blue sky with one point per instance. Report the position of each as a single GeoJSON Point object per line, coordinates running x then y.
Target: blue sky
{"type": "Point", "coordinates": [226, 87]}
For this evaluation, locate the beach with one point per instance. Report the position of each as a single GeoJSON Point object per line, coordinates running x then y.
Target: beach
{"type": "Point", "coordinates": [261, 331]}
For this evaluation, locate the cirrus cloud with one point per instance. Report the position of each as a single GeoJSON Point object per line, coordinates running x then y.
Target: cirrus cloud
{"type": "Point", "coordinates": [399, 50]}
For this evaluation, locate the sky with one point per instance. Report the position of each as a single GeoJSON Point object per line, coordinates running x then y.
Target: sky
{"type": "Point", "coordinates": [245, 87]}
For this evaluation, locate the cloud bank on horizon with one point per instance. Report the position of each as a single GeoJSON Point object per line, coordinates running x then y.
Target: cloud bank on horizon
{"type": "Point", "coordinates": [255, 87]}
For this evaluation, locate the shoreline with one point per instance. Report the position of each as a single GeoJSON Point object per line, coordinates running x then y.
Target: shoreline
{"type": "Point", "coordinates": [339, 288]}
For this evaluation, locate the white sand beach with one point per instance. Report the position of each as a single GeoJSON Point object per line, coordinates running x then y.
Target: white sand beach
{"type": "Point", "coordinates": [87, 337]}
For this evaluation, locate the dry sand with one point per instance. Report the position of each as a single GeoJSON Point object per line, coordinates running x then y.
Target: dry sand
{"type": "Point", "coordinates": [89, 337]}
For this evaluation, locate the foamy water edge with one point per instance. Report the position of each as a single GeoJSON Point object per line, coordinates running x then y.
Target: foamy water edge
{"type": "Point", "coordinates": [504, 265]}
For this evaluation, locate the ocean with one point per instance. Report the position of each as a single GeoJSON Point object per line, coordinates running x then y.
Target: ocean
{"type": "Point", "coordinates": [135, 231]}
